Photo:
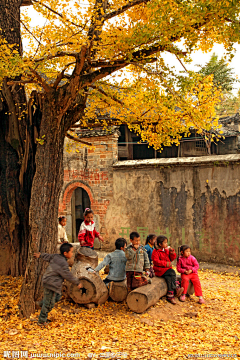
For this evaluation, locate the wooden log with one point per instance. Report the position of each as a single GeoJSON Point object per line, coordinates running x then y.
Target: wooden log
{"type": "Point", "coordinates": [76, 247]}
{"type": "Point", "coordinates": [118, 290]}
{"type": "Point", "coordinates": [87, 256]}
{"type": "Point", "coordinates": [93, 291]}
{"type": "Point", "coordinates": [142, 298]}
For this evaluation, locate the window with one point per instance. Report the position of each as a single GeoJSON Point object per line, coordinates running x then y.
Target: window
{"type": "Point", "coordinates": [201, 146]}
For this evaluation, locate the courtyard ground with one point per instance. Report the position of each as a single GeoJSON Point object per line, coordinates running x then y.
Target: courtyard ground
{"type": "Point", "coordinates": [110, 331]}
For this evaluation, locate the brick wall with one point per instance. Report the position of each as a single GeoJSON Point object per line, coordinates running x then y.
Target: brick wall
{"type": "Point", "coordinates": [92, 170]}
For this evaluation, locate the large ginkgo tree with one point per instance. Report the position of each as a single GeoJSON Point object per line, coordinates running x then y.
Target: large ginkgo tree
{"type": "Point", "coordinates": [59, 73]}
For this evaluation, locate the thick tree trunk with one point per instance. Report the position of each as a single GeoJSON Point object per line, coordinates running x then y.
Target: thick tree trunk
{"type": "Point", "coordinates": [43, 213]}
{"type": "Point", "coordinates": [17, 152]}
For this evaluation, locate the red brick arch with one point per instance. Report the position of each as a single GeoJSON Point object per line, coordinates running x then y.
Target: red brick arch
{"type": "Point", "coordinates": [65, 204]}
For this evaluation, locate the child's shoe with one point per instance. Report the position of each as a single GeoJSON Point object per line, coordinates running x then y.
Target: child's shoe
{"type": "Point", "coordinates": [179, 291]}
{"type": "Point", "coordinates": [149, 281]}
{"type": "Point", "coordinates": [171, 298]}
{"type": "Point", "coordinates": [182, 298]}
{"type": "Point", "coordinates": [42, 324]}
{"type": "Point", "coordinates": [201, 301]}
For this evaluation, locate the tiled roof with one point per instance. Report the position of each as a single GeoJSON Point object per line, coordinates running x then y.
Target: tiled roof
{"type": "Point", "coordinates": [84, 133]}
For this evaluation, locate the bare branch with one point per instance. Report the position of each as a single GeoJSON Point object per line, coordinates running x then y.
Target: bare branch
{"type": "Point", "coordinates": [124, 8]}
{"type": "Point", "coordinates": [77, 139]}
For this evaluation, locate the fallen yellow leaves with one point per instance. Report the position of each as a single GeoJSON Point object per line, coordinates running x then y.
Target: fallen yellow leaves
{"type": "Point", "coordinates": [163, 332]}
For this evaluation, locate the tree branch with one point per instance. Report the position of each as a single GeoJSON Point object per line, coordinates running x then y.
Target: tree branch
{"type": "Point", "coordinates": [62, 75]}
{"type": "Point", "coordinates": [124, 8]}
{"type": "Point", "coordinates": [58, 54]}
{"type": "Point", "coordinates": [56, 13]}
{"type": "Point", "coordinates": [77, 139]}
{"type": "Point", "coordinates": [107, 95]}
{"type": "Point", "coordinates": [43, 83]}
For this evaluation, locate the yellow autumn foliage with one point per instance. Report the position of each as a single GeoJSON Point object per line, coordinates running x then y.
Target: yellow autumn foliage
{"type": "Point", "coordinates": [112, 52]}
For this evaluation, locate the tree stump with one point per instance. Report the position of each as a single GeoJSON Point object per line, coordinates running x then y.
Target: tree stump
{"type": "Point", "coordinates": [87, 256]}
{"type": "Point", "coordinates": [93, 291]}
{"type": "Point", "coordinates": [118, 290]}
{"type": "Point", "coordinates": [76, 247]}
{"type": "Point", "coordinates": [142, 298]}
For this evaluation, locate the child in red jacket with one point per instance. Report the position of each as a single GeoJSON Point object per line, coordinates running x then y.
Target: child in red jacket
{"type": "Point", "coordinates": [87, 232]}
{"type": "Point", "coordinates": [188, 266]}
{"type": "Point", "coordinates": [161, 257]}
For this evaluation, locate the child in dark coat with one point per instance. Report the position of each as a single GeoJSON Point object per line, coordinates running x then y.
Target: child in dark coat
{"type": "Point", "coordinates": [162, 257]}
{"type": "Point", "coordinates": [53, 278]}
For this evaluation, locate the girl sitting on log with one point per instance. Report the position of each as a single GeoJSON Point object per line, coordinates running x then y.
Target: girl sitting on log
{"type": "Point", "coordinates": [149, 246]}
{"type": "Point", "coordinates": [162, 257]}
{"type": "Point", "coordinates": [188, 266]}
{"type": "Point", "coordinates": [87, 232]}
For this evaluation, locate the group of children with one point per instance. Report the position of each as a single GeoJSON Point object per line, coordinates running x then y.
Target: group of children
{"type": "Point", "coordinates": [157, 252]}
{"type": "Point", "coordinates": [125, 262]}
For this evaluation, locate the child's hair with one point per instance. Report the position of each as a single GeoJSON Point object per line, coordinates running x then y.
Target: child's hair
{"type": "Point", "coordinates": [61, 218]}
{"type": "Point", "coordinates": [119, 243]}
{"type": "Point", "coordinates": [150, 237]}
{"type": "Point", "coordinates": [134, 235]}
{"type": "Point", "coordinates": [182, 248]}
{"type": "Point", "coordinates": [160, 240]}
{"type": "Point", "coordinates": [88, 211]}
{"type": "Point", "coordinates": [65, 248]}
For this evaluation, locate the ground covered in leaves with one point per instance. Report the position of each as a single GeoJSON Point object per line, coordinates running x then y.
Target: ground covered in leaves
{"type": "Point", "coordinates": [112, 331]}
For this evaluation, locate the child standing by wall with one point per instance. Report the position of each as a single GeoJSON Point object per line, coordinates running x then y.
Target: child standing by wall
{"type": "Point", "coordinates": [62, 236]}
{"type": "Point", "coordinates": [116, 261]}
{"type": "Point", "coordinates": [188, 266]}
{"type": "Point", "coordinates": [137, 261]}
{"type": "Point", "coordinates": [162, 256]}
{"type": "Point", "coordinates": [87, 232]}
{"type": "Point", "coordinates": [56, 272]}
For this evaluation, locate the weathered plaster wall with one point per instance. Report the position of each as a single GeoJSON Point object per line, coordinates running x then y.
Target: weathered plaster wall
{"type": "Point", "coordinates": [191, 200]}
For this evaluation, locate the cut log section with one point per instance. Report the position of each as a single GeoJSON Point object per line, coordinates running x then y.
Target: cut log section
{"type": "Point", "coordinates": [87, 256]}
{"type": "Point", "coordinates": [76, 247]}
{"type": "Point", "coordinates": [143, 297]}
{"type": "Point", "coordinates": [93, 291]}
{"type": "Point", "coordinates": [118, 290]}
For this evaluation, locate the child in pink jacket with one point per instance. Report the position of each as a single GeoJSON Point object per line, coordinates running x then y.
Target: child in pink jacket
{"type": "Point", "coordinates": [188, 266]}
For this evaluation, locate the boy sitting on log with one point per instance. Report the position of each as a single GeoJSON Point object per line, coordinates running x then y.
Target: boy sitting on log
{"type": "Point", "coordinates": [116, 261]}
{"type": "Point", "coordinates": [137, 261]}
{"type": "Point", "coordinates": [56, 272]}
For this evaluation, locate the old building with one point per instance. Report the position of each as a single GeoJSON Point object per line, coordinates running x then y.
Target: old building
{"type": "Point", "coordinates": [129, 147]}
{"type": "Point", "coordinates": [192, 198]}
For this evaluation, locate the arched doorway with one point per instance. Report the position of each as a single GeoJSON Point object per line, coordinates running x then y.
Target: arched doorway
{"type": "Point", "coordinates": [79, 202]}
